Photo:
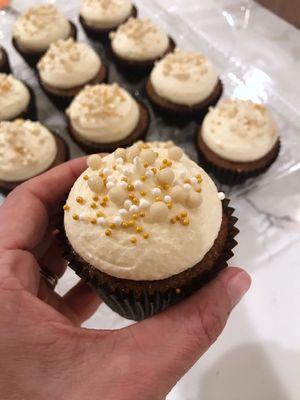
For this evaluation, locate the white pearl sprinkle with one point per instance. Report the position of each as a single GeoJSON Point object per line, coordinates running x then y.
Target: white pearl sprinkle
{"type": "Point", "coordinates": [119, 160]}
{"type": "Point", "coordinates": [126, 171]}
{"type": "Point", "coordinates": [167, 198]}
{"type": "Point", "coordinates": [137, 185]}
{"type": "Point", "coordinates": [144, 203]}
{"type": "Point", "coordinates": [127, 204]}
{"type": "Point", "coordinates": [117, 220]}
{"type": "Point", "coordinates": [122, 184]}
{"type": "Point", "coordinates": [156, 191]}
{"type": "Point", "coordinates": [109, 185]}
{"type": "Point", "coordinates": [133, 208]}
{"type": "Point", "coordinates": [149, 173]}
{"type": "Point", "coordinates": [187, 186]}
{"type": "Point", "coordinates": [101, 220]}
{"type": "Point", "coordinates": [123, 212]}
{"type": "Point", "coordinates": [182, 174]}
{"type": "Point", "coordinates": [110, 178]}
{"type": "Point", "coordinates": [194, 180]}
{"type": "Point", "coordinates": [221, 195]}
{"type": "Point", "coordinates": [106, 171]}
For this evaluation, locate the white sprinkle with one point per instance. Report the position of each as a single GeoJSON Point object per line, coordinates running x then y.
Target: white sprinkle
{"type": "Point", "coordinates": [119, 160]}
{"type": "Point", "coordinates": [110, 178]}
{"type": "Point", "coordinates": [126, 171]}
{"type": "Point", "coordinates": [221, 195]}
{"type": "Point", "coordinates": [137, 185]}
{"type": "Point", "coordinates": [109, 185]}
{"type": "Point", "coordinates": [101, 220]}
{"type": "Point", "coordinates": [122, 184]}
{"type": "Point", "coordinates": [127, 204]}
{"type": "Point", "coordinates": [117, 220]}
{"type": "Point", "coordinates": [187, 186]}
{"type": "Point", "coordinates": [167, 199]}
{"type": "Point", "coordinates": [133, 208]}
{"type": "Point", "coordinates": [123, 212]}
{"type": "Point", "coordinates": [144, 203]}
{"type": "Point", "coordinates": [182, 174]}
{"type": "Point", "coordinates": [156, 191]}
{"type": "Point", "coordinates": [194, 180]}
{"type": "Point", "coordinates": [149, 173]}
{"type": "Point", "coordinates": [106, 171]}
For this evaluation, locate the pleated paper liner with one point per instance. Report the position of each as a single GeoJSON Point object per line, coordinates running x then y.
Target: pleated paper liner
{"type": "Point", "coordinates": [152, 297]}
{"type": "Point", "coordinates": [234, 177]}
{"type": "Point", "coordinates": [5, 67]}
{"type": "Point", "coordinates": [31, 112]}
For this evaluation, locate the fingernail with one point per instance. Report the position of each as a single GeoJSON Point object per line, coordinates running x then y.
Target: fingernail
{"type": "Point", "coordinates": [238, 286]}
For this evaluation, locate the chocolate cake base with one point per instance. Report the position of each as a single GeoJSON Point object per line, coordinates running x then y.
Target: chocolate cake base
{"type": "Point", "coordinates": [32, 57]}
{"type": "Point", "coordinates": [234, 173]}
{"type": "Point", "coordinates": [169, 109]}
{"type": "Point", "coordinates": [4, 62]}
{"type": "Point", "coordinates": [138, 300]}
{"type": "Point", "coordinates": [61, 157]}
{"type": "Point", "coordinates": [92, 147]}
{"type": "Point", "coordinates": [103, 34]}
{"type": "Point", "coordinates": [63, 97]}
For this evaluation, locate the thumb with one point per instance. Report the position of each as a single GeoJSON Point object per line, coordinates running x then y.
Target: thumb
{"type": "Point", "coordinates": [167, 345]}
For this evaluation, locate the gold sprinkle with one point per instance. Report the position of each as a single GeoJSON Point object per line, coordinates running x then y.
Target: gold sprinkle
{"type": "Point", "coordinates": [143, 178]}
{"type": "Point", "coordinates": [135, 216]}
{"type": "Point", "coordinates": [166, 186]}
{"type": "Point", "coordinates": [162, 167]}
{"type": "Point", "coordinates": [130, 187]}
{"type": "Point", "coordinates": [165, 161]}
{"type": "Point", "coordinates": [142, 214]}
{"type": "Point", "coordinates": [108, 232]}
{"type": "Point", "coordinates": [158, 198]}
{"type": "Point", "coordinates": [177, 217]}
{"type": "Point", "coordinates": [146, 165]}
{"type": "Point", "coordinates": [124, 179]}
{"type": "Point", "coordinates": [112, 225]}
{"type": "Point", "coordinates": [103, 203]}
{"type": "Point", "coordinates": [114, 167]}
{"type": "Point", "coordinates": [185, 221]}
{"type": "Point", "coordinates": [131, 222]}
{"type": "Point", "coordinates": [124, 225]}
{"type": "Point", "coordinates": [75, 217]}
{"type": "Point", "coordinates": [198, 176]}
{"type": "Point", "coordinates": [93, 205]}
{"type": "Point", "coordinates": [99, 214]}
{"type": "Point", "coordinates": [66, 207]}
{"type": "Point", "coordinates": [131, 196]}
{"type": "Point", "coordinates": [104, 180]}
{"type": "Point", "coordinates": [105, 198]}
{"type": "Point", "coordinates": [139, 229]}
{"type": "Point", "coordinates": [93, 221]}
{"type": "Point", "coordinates": [173, 220]}
{"type": "Point", "coordinates": [95, 198]}
{"type": "Point", "coordinates": [198, 190]}
{"type": "Point", "coordinates": [187, 180]}
{"type": "Point", "coordinates": [169, 164]}
{"type": "Point", "coordinates": [80, 200]}
{"type": "Point", "coordinates": [146, 235]}
{"type": "Point", "coordinates": [143, 193]}
{"type": "Point", "coordinates": [133, 239]}
{"type": "Point", "coordinates": [85, 177]}
{"type": "Point", "coordinates": [135, 200]}
{"type": "Point", "coordinates": [145, 146]}
{"type": "Point", "coordinates": [154, 170]}
{"type": "Point", "coordinates": [183, 214]}
{"type": "Point", "coordinates": [199, 180]}
{"type": "Point", "coordinates": [101, 174]}
{"type": "Point", "coordinates": [170, 205]}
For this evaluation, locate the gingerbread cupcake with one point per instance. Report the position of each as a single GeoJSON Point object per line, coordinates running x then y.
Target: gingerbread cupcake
{"type": "Point", "coordinates": [146, 227]}
{"type": "Point", "coordinates": [238, 140]}
{"type": "Point", "coordinates": [17, 100]}
{"type": "Point", "coordinates": [66, 68]}
{"type": "Point", "coordinates": [4, 61]}
{"type": "Point", "coordinates": [104, 117]}
{"type": "Point", "coordinates": [37, 28]}
{"type": "Point", "coordinates": [99, 17]}
{"type": "Point", "coordinates": [27, 149]}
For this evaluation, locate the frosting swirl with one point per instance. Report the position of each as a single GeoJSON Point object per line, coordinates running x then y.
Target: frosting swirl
{"type": "Point", "coordinates": [26, 149]}
{"type": "Point", "coordinates": [143, 213]}
{"type": "Point", "coordinates": [185, 78]}
{"type": "Point", "coordinates": [105, 14]}
{"type": "Point", "coordinates": [239, 130]}
{"type": "Point", "coordinates": [40, 26]}
{"type": "Point", "coordinates": [14, 97]}
{"type": "Point", "coordinates": [139, 40]}
{"type": "Point", "coordinates": [67, 64]}
{"type": "Point", "coordinates": [104, 113]}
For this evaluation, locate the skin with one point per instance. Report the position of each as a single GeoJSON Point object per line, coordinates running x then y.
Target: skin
{"type": "Point", "coordinates": [44, 352]}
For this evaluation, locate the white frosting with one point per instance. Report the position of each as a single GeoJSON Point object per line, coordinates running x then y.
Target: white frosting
{"type": "Point", "coordinates": [105, 14]}
{"type": "Point", "coordinates": [14, 97]}
{"type": "Point", "coordinates": [67, 64]}
{"type": "Point", "coordinates": [139, 40]}
{"type": "Point", "coordinates": [104, 113]}
{"type": "Point", "coordinates": [239, 130]}
{"type": "Point", "coordinates": [40, 26]}
{"type": "Point", "coordinates": [184, 78]}
{"type": "Point", "coordinates": [26, 149]}
{"type": "Point", "coordinates": [172, 245]}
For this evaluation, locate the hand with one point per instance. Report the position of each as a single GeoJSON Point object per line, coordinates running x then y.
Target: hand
{"type": "Point", "coordinates": [45, 354]}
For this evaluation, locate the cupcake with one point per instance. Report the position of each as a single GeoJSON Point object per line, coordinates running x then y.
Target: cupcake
{"type": "Point", "coordinates": [99, 17]}
{"type": "Point", "coordinates": [37, 28]}
{"type": "Point", "coordinates": [4, 62]}
{"type": "Point", "coordinates": [27, 149]}
{"type": "Point", "coordinates": [138, 43]}
{"type": "Point", "coordinates": [238, 140]}
{"type": "Point", "coordinates": [146, 227]}
{"type": "Point", "coordinates": [184, 84]}
{"type": "Point", "coordinates": [17, 100]}
{"type": "Point", "coordinates": [104, 117]}
{"type": "Point", "coordinates": [66, 68]}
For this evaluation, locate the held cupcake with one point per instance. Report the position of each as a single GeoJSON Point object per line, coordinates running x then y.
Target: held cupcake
{"type": "Point", "coordinates": [37, 28]}
{"type": "Point", "coordinates": [27, 149]}
{"type": "Point", "coordinates": [238, 140]}
{"type": "Point", "coordinates": [17, 100]}
{"type": "Point", "coordinates": [146, 227]}
{"type": "Point", "coordinates": [99, 17]}
{"type": "Point", "coordinates": [184, 83]}
{"type": "Point", "coordinates": [104, 117]}
{"type": "Point", "coordinates": [66, 68]}
{"type": "Point", "coordinates": [139, 43]}
{"type": "Point", "coordinates": [4, 62]}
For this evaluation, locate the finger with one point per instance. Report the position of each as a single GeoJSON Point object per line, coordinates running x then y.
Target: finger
{"type": "Point", "coordinates": [24, 214]}
{"type": "Point", "coordinates": [181, 334]}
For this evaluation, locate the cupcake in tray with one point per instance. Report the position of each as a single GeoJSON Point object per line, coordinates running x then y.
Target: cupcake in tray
{"type": "Point", "coordinates": [37, 28]}
{"type": "Point", "coordinates": [27, 149]}
{"type": "Point", "coordinates": [17, 100]}
{"type": "Point", "coordinates": [146, 227]}
{"type": "Point", "coordinates": [184, 84]}
{"type": "Point", "coordinates": [104, 117]}
{"type": "Point", "coordinates": [66, 68]}
{"type": "Point", "coordinates": [139, 43]}
{"type": "Point", "coordinates": [238, 140]}
{"type": "Point", "coordinates": [99, 17]}
{"type": "Point", "coordinates": [4, 62]}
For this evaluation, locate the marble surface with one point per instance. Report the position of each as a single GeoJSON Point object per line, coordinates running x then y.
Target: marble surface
{"type": "Point", "coordinates": [258, 55]}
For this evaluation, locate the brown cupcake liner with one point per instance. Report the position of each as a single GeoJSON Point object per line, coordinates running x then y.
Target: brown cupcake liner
{"type": "Point", "coordinates": [103, 34]}
{"type": "Point", "coordinates": [5, 66]}
{"type": "Point", "coordinates": [232, 177]}
{"type": "Point", "coordinates": [140, 304]}
{"type": "Point", "coordinates": [32, 57]}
